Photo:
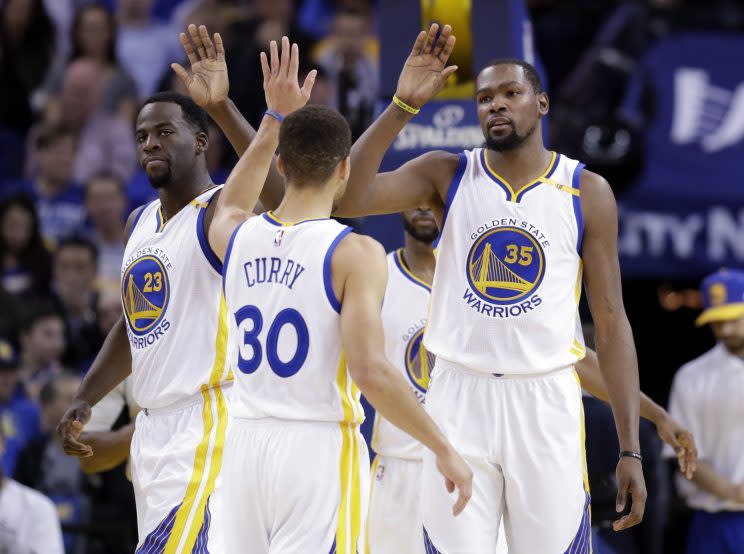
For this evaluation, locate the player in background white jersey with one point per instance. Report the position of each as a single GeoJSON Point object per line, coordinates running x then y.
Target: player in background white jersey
{"type": "Point", "coordinates": [172, 335]}
{"type": "Point", "coordinates": [395, 520]}
{"type": "Point", "coordinates": [520, 221]}
{"type": "Point", "coordinates": [298, 295]}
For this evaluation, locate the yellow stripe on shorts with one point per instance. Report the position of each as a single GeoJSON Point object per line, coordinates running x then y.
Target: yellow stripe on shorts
{"type": "Point", "coordinates": [349, 522]}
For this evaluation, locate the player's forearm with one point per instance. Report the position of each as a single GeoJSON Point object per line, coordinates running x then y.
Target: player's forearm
{"type": "Point", "coordinates": [247, 178]}
{"type": "Point", "coordinates": [110, 448]}
{"type": "Point", "coordinates": [617, 361]}
{"type": "Point", "coordinates": [366, 157]}
{"type": "Point", "coordinates": [240, 134]}
{"type": "Point", "coordinates": [392, 398]}
{"type": "Point", "coordinates": [708, 479]}
{"type": "Point", "coordinates": [111, 366]}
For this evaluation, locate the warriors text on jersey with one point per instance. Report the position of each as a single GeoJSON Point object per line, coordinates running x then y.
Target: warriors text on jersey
{"type": "Point", "coordinates": [285, 317]}
{"type": "Point", "coordinates": [508, 278]}
{"type": "Point", "coordinates": [404, 319]}
{"type": "Point", "coordinates": [170, 281]}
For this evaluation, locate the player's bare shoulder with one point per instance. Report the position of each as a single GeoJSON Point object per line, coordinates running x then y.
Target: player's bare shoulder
{"type": "Point", "coordinates": [439, 167]}
{"type": "Point", "coordinates": [357, 256]}
{"type": "Point", "coordinates": [597, 198]}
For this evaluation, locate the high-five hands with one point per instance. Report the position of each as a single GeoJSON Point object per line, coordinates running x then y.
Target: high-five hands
{"type": "Point", "coordinates": [207, 81]}
{"type": "Point", "coordinates": [281, 87]}
{"type": "Point", "coordinates": [425, 72]}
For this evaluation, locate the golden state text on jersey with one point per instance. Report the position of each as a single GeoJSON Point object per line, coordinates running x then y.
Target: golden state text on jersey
{"type": "Point", "coordinates": [145, 292]}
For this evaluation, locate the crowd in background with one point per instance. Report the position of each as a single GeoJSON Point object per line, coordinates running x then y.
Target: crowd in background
{"type": "Point", "coordinates": [73, 74]}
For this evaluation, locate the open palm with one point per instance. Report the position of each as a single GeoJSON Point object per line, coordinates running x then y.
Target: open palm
{"type": "Point", "coordinates": [425, 71]}
{"type": "Point", "coordinates": [207, 82]}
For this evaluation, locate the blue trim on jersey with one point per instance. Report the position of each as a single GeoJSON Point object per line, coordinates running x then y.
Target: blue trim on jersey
{"type": "Point", "coordinates": [206, 249]}
{"type": "Point", "coordinates": [142, 210]}
{"type": "Point", "coordinates": [462, 164]}
{"type": "Point", "coordinates": [555, 161]}
{"type": "Point", "coordinates": [582, 542]}
{"type": "Point", "coordinates": [407, 273]}
{"type": "Point", "coordinates": [327, 280]}
{"type": "Point", "coordinates": [429, 547]}
{"type": "Point", "coordinates": [333, 547]}
{"type": "Point", "coordinates": [160, 219]}
{"type": "Point", "coordinates": [228, 252]}
{"type": "Point", "coordinates": [271, 218]}
{"type": "Point", "coordinates": [155, 542]}
{"type": "Point", "coordinates": [493, 177]}
{"type": "Point", "coordinates": [576, 183]}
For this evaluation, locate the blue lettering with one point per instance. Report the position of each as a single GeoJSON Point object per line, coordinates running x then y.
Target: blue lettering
{"type": "Point", "coordinates": [260, 270]}
{"type": "Point", "coordinates": [536, 301]}
{"type": "Point", "coordinates": [486, 309]}
{"type": "Point", "coordinates": [498, 311]}
{"type": "Point", "coordinates": [276, 265]}
{"type": "Point", "coordinates": [287, 272]}
{"type": "Point", "coordinates": [468, 297]}
{"type": "Point", "coordinates": [247, 267]}
{"type": "Point", "coordinates": [298, 271]}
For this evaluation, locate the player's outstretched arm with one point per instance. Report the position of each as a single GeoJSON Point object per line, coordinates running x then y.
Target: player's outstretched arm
{"type": "Point", "coordinates": [359, 274]}
{"type": "Point", "coordinates": [283, 96]}
{"type": "Point", "coordinates": [710, 480]}
{"type": "Point", "coordinates": [416, 183]}
{"type": "Point", "coordinates": [208, 85]}
{"type": "Point", "coordinates": [671, 432]}
{"type": "Point", "coordinates": [614, 338]}
{"type": "Point", "coordinates": [109, 368]}
{"type": "Point", "coordinates": [109, 448]}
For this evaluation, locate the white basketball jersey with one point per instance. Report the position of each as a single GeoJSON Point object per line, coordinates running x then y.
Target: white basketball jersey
{"type": "Point", "coordinates": [404, 312]}
{"type": "Point", "coordinates": [508, 278]}
{"type": "Point", "coordinates": [285, 331]}
{"type": "Point", "coordinates": [170, 290]}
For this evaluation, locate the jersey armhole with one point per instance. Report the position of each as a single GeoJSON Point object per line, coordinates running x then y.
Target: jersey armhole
{"type": "Point", "coordinates": [462, 163]}
{"type": "Point", "coordinates": [228, 253]}
{"type": "Point", "coordinates": [142, 209]}
{"type": "Point", "coordinates": [327, 279]}
{"type": "Point", "coordinates": [206, 249]}
{"type": "Point", "coordinates": [576, 184]}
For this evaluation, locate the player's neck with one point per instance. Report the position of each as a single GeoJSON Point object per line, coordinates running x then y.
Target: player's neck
{"type": "Point", "coordinates": [301, 203]}
{"type": "Point", "coordinates": [523, 164]}
{"type": "Point", "coordinates": [177, 195]}
{"type": "Point", "coordinates": [419, 258]}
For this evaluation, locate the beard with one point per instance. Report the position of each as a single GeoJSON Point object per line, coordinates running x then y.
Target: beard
{"type": "Point", "coordinates": [421, 235]}
{"type": "Point", "coordinates": [162, 180]}
{"type": "Point", "coordinates": [509, 142]}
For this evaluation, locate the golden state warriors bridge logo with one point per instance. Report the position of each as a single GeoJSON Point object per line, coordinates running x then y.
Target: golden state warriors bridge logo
{"type": "Point", "coordinates": [419, 362]}
{"type": "Point", "coordinates": [145, 294]}
{"type": "Point", "coordinates": [504, 269]}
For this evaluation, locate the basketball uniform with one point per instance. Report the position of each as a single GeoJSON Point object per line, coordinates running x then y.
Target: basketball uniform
{"type": "Point", "coordinates": [394, 523]}
{"type": "Point", "coordinates": [174, 310]}
{"type": "Point", "coordinates": [297, 465]}
{"type": "Point", "coordinates": [505, 331]}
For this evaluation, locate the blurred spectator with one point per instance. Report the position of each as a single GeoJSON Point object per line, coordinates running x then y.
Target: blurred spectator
{"type": "Point", "coordinates": [28, 520]}
{"type": "Point", "coordinates": [352, 68]}
{"type": "Point", "coordinates": [146, 47]}
{"type": "Point", "coordinates": [706, 397]}
{"type": "Point", "coordinates": [58, 199]}
{"type": "Point", "coordinates": [94, 37]}
{"type": "Point", "coordinates": [315, 17]}
{"type": "Point", "coordinates": [42, 339]}
{"type": "Point", "coordinates": [245, 38]}
{"type": "Point", "coordinates": [106, 206]}
{"type": "Point", "coordinates": [74, 274]}
{"type": "Point", "coordinates": [26, 264]}
{"type": "Point", "coordinates": [26, 50]}
{"type": "Point", "coordinates": [44, 466]}
{"type": "Point", "coordinates": [19, 416]}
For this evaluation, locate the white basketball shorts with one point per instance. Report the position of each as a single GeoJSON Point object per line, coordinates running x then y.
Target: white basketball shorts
{"type": "Point", "coordinates": [176, 457]}
{"type": "Point", "coordinates": [523, 436]}
{"type": "Point", "coordinates": [295, 487]}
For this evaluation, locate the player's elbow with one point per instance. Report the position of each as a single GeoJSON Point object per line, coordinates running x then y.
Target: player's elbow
{"type": "Point", "coordinates": [367, 372]}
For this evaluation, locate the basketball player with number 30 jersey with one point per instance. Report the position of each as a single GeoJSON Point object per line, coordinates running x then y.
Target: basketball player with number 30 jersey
{"type": "Point", "coordinates": [298, 295]}
{"type": "Point", "coordinates": [520, 227]}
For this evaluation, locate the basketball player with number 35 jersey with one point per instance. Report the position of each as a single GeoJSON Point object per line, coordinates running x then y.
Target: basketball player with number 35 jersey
{"type": "Point", "coordinates": [303, 302]}
{"type": "Point", "coordinates": [520, 228]}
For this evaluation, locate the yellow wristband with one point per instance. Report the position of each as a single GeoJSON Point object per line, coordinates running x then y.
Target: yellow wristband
{"type": "Point", "coordinates": [403, 106]}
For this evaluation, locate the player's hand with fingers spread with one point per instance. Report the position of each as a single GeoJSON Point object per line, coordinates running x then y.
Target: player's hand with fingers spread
{"type": "Point", "coordinates": [207, 81]}
{"type": "Point", "coordinates": [631, 488]}
{"type": "Point", "coordinates": [682, 441]}
{"type": "Point", "coordinates": [425, 72]}
{"type": "Point", "coordinates": [71, 426]}
{"type": "Point", "coordinates": [281, 86]}
{"type": "Point", "coordinates": [457, 475]}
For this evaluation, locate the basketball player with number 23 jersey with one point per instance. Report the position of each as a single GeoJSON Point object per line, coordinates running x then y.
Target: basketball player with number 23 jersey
{"type": "Point", "coordinates": [521, 227]}
{"type": "Point", "coordinates": [303, 299]}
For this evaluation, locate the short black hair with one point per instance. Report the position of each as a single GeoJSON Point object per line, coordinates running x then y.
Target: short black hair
{"type": "Point", "coordinates": [78, 241]}
{"type": "Point", "coordinates": [49, 134]}
{"type": "Point", "coordinates": [36, 312]}
{"type": "Point", "coordinates": [107, 175]}
{"type": "Point", "coordinates": [529, 70]}
{"type": "Point", "coordinates": [312, 142]}
{"type": "Point", "coordinates": [192, 113]}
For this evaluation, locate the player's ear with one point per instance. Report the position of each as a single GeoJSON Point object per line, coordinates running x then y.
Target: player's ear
{"type": "Point", "coordinates": [543, 104]}
{"type": "Point", "coordinates": [344, 169]}
{"type": "Point", "coordinates": [280, 165]}
{"type": "Point", "coordinates": [202, 142]}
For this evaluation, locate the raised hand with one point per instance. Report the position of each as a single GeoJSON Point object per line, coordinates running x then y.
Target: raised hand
{"type": "Point", "coordinates": [425, 72]}
{"type": "Point", "coordinates": [281, 87]}
{"type": "Point", "coordinates": [207, 81]}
